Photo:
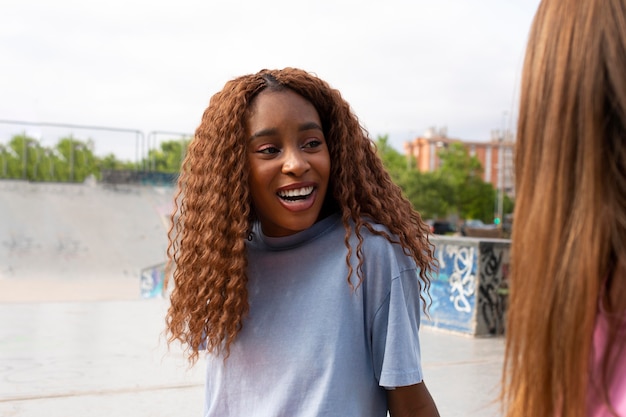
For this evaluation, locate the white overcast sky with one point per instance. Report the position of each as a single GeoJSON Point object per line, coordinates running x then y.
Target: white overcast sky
{"type": "Point", "coordinates": [152, 65]}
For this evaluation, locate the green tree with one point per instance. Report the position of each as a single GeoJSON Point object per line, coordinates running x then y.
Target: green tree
{"type": "Point", "coordinates": [5, 157]}
{"type": "Point", "coordinates": [76, 160]}
{"type": "Point", "coordinates": [22, 157]}
{"type": "Point", "coordinates": [395, 163]}
{"type": "Point", "coordinates": [469, 196]}
{"type": "Point", "coordinates": [48, 165]}
{"type": "Point", "coordinates": [427, 192]}
{"type": "Point", "coordinates": [479, 198]}
{"type": "Point", "coordinates": [111, 162]}
{"type": "Point", "coordinates": [169, 157]}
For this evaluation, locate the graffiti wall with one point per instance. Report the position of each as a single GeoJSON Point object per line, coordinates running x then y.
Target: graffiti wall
{"type": "Point", "coordinates": [152, 280]}
{"type": "Point", "coordinates": [469, 291]}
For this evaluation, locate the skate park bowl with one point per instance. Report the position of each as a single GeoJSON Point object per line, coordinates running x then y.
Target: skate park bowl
{"type": "Point", "coordinates": [108, 240]}
{"type": "Point", "coordinates": [60, 241]}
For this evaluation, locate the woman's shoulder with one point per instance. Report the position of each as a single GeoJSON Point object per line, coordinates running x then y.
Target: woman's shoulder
{"type": "Point", "coordinates": [380, 246]}
{"type": "Point", "coordinates": [377, 234]}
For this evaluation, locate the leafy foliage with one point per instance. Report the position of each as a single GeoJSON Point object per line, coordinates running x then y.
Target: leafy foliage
{"type": "Point", "coordinates": [455, 190]}
{"type": "Point", "coordinates": [73, 160]}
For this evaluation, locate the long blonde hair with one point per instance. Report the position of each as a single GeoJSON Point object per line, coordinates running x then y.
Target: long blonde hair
{"type": "Point", "coordinates": [570, 210]}
{"type": "Point", "coordinates": [213, 215]}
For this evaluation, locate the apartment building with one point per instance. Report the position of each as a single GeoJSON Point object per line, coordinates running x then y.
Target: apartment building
{"type": "Point", "coordinates": [495, 156]}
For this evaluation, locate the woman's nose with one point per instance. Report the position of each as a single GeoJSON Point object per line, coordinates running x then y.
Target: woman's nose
{"type": "Point", "coordinates": [295, 162]}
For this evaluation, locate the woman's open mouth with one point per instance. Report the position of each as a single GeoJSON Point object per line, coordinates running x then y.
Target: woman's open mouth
{"type": "Point", "coordinates": [296, 194]}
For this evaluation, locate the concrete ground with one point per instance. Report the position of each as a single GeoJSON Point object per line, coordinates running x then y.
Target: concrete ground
{"type": "Point", "coordinates": [105, 356]}
{"type": "Point", "coordinates": [87, 344]}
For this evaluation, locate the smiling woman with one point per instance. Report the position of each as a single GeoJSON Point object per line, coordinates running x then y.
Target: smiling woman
{"type": "Point", "coordinates": [297, 263]}
{"type": "Point", "coordinates": [289, 162]}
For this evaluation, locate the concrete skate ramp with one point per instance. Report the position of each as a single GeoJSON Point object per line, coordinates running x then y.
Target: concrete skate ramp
{"type": "Point", "coordinates": [81, 232]}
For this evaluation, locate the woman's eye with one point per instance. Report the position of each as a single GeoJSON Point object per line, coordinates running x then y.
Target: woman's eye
{"type": "Point", "coordinates": [268, 150]}
{"type": "Point", "coordinates": [313, 143]}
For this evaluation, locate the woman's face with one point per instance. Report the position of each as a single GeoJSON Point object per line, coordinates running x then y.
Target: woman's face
{"type": "Point", "coordinates": [289, 162]}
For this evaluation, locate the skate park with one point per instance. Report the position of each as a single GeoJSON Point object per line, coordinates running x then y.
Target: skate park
{"type": "Point", "coordinates": [81, 328]}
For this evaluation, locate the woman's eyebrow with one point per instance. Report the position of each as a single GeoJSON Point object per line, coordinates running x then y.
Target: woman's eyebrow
{"type": "Point", "coordinates": [264, 132]}
{"type": "Point", "coordinates": [309, 126]}
{"type": "Point", "coordinates": [273, 131]}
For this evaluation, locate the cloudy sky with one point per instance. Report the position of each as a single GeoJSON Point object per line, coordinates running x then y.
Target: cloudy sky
{"type": "Point", "coordinates": [152, 65]}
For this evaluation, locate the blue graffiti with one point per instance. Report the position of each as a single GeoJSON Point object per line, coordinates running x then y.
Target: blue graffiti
{"type": "Point", "coordinates": [453, 289]}
{"type": "Point", "coordinates": [152, 279]}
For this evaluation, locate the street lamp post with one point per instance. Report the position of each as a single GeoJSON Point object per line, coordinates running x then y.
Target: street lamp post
{"type": "Point", "coordinates": [4, 161]}
{"type": "Point", "coordinates": [24, 155]}
{"type": "Point", "coordinates": [49, 156]}
{"type": "Point", "coordinates": [27, 143]}
{"type": "Point", "coordinates": [71, 159]}
{"type": "Point", "coordinates": [36, 165]}
{"type": "Point", "coordinates": [74, 146]}
{"type": "Point", "coordinates": [501, 170]}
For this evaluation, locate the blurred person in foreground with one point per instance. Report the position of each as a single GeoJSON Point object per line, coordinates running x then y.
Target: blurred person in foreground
{"type": "Point", "coordinates": [566, 331]}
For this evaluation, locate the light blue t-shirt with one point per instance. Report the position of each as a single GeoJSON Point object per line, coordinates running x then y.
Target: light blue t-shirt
{"type": "Point", "coordinates": [311, 345]}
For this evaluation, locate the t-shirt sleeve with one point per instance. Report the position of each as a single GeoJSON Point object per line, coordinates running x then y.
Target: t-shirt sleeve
{"type": "Point", "coordinates": [395, 340]}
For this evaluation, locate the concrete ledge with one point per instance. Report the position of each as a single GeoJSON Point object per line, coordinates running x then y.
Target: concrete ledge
{"type": "Point", "coordinates": [469, 292]}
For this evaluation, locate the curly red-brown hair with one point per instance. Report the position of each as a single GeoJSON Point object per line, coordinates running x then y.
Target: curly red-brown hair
{"type": "Point", "coordinates": [213, 213]}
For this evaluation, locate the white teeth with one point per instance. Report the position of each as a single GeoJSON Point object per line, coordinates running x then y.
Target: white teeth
{"type": "Point", "coordinates": [299, 192]}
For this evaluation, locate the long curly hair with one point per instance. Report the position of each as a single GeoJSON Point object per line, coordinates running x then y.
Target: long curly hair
{"type": "Point", "coordinates": [568, 247]}
{"type": "Point", "coordinates": [213, 214]}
